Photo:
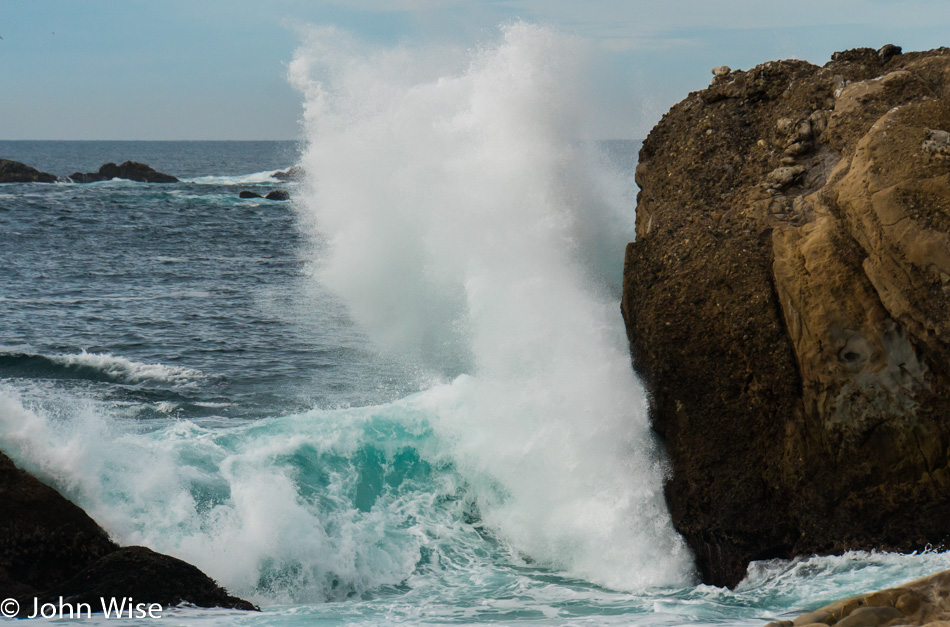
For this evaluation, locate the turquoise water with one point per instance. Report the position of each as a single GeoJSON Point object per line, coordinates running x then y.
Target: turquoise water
{"type": "Point", "coordinates": [405, 396]}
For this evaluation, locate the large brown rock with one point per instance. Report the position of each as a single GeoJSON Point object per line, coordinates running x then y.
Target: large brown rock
{"type": "Point", "coordinates": [924, 601]}
{"type": "Point", "coordinates": [788, 304]}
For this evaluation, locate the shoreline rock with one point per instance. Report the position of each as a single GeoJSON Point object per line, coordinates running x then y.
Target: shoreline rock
{"type": "Point", "coordinates": [924, 601]}
{"type": "Point", "coordinates": [787, 302]}
{"type": "Point", "coordinates": [49, 547]}
{"type": "Point", "coordinates": [16, 172]}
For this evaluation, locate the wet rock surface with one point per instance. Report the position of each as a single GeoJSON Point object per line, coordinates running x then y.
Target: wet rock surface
{"type": "Point", "coordinates": [924, 601]}
{"type": "Point", "coordinates": [44, 538]}
{"type": "Point", "coordinates": [143, 575]}
{"type": "Point", "coordinates": [50, 548]}
{"type": "Point", "coordinates": [788, 305]}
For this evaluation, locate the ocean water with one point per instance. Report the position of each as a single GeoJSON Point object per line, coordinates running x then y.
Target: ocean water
{"type": "Point", "coordinates": [402, 398]}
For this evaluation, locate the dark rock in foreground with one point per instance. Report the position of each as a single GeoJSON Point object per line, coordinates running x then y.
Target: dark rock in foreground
{"type": "Point", "coordinates": [49, 548]}
{"type": "Point", "coordinates": [145, 576]}
{"type": "Point", "coordinates": [788, 304]}
{"type": "Point", "coordinates": [129, 170]}
{"type": "Point", "coordinates": [16, 172]}
{"type": "Point", "coordinates": [44, 539]}
{"type": "Point", "coordinates": [247, 194]}
{"type": "Point", "coordinates": [922, 602]}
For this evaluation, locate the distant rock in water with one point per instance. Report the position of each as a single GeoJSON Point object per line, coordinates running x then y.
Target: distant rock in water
{"type": "Point", "coordinates": [787, 301]}
{"type": "Point", "coordinates": [16, 172]}
{"type": "Point", "coordinates": [294, 173]}
{"type": "Point", "coordinates": [278, 194]}
{"type": "Point", "coordinates": [129, 170]}
{"type": "Point", "coordinates": [49, 548]}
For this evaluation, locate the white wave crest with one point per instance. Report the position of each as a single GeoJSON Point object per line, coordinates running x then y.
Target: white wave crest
{"type": "Point", "coordinates": [266, 176]}
{"type": "Point", "coordinates": [128, 371]}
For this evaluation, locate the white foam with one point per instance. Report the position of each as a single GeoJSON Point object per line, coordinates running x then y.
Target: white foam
{"type": "Point", "coordinates": [128, 371]}
{"type": "Point", "coordinates": [266, 176]}
{"type": "Point", "coordinates": [463, 221]}
{"type": "Point", "coordinates": [261, 535]}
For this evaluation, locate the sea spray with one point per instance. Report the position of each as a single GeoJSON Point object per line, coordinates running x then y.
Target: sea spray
{"type": "Point", "coordinates": [458, 215]}
{"type": "Point", "coordinates": [321, 506]}
{"type": "Point", "coordinates": [461, 218]}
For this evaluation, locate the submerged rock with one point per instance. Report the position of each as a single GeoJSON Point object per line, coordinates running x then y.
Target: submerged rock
{"type": "Point", "coordinates": [246, 194]}
{"type": "Point", "coordinates": [16, 172]}
{"type": "Point", "coordinates": [786, 305]}
{"type": "Point", "coordinates": [129, 170]}
{"type": "Point", "coordinates": [49, 548]}
{"type": "Point", "coordinates": [924, 601]}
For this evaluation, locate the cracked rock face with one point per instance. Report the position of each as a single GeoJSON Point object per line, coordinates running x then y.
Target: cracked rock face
{"type": "Point", "coordinates": [788, 304]}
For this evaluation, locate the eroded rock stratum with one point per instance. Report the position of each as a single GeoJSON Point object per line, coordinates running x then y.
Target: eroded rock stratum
{"type": "Point", "coordinates": [788, 304]}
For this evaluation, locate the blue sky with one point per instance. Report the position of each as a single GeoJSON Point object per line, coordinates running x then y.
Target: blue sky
{"type": "Point", "coordinates": [216, 69]}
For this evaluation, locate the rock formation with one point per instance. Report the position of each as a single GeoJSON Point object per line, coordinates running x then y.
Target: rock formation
{"type": "Point", "coordinates": [49, 548]}
{"type": "Point", "coordinates": [145, 576]}
{"type": "Point", "coordinates": [130, 170]}
{"type": "Point", "coordinates": [277, 194]}
{"type": "Point", "coordinates": [293, 173]}
{"type": "Point", "coordinates": [788, 304]}
{"type": "Point", "coordinates": [16, 172]}
{"type": "Point", "coordinates": [925, 601]}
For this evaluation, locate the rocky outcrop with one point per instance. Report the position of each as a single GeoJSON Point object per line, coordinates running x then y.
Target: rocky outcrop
{"type": "Point", "coordinates": [293, 173]}
{"type": "Point", "coordinates": [924, 601]}
{"type": "Point", "coordinates": [44, 539]}
{"type": "Point", "coordinates": [145, 576]}
{"type": "Point", "coordinates": [129, 170]}
{"type": "Point", "coordinates": [49, 548]}
{"type": "Point", "coordinates": [277, 194]}
{"type": "Point", "coordinates": [16, 172]}
{"type": "Point", "coordinates": [788, 305]}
